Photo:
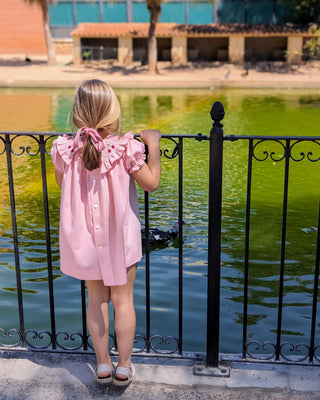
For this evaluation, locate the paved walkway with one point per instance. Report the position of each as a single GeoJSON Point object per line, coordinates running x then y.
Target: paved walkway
{"type": "Point", "coordinates": [28, 375]}
{"type": "Point", "coordinates": [15, 72]}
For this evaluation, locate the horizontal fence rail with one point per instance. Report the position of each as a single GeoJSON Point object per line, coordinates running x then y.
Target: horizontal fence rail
{"type": "Point", "coordinates": [52, 339]}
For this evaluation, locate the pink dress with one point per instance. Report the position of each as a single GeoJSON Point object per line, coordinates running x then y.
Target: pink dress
{"type": "Point", "coordinates": [100, 233]}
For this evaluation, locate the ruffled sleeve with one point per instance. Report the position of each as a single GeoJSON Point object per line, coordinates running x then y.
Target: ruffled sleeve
{"type": "Point", "coordinates": [125, 147]}
{"type": "Point", "coordinates": [61, 152]}
{"type": "Point", "coordinates": [134, 156]}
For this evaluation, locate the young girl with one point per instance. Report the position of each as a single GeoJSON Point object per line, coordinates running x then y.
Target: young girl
{"type": "Point", "coordinates": [100, 237]}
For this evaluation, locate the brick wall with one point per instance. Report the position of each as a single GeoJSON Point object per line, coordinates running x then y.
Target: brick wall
{"type": "Point", "coordinates": [21, 28]}
{"type": "Point", "coordinates": [63, 47]}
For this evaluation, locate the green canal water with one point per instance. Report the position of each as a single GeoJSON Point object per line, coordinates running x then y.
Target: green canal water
{"type": "Point", "coordinates": [248, 112]}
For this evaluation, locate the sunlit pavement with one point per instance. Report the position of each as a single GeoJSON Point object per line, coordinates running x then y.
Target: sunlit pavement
{"type": "Point", "coordinates": [36, 375]}
{"type": "Point", "coordinates": [16, 72]}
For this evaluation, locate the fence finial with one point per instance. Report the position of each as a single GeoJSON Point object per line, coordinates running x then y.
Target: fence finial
{"type": "Point", "coordinates": [217, 114]}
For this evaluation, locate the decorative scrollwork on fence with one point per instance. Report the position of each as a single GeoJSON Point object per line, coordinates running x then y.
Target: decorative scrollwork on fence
{"type": "Point", "coordinates": [289, 347]}
{"type": "Point", "coordinates": [168, 341]}
{"type": "Point", "coordinates": [9, 334]}
{"type": "Point", "coordinates": [303, 154]}
{"type": "Point", "coordinates": [276, 157]}
{"type": "Point", "coordinates": [264, 347]}
{"type": "Point", "coordinates": [28, 148]}
{"type": "Point", "coordinates": [62, 336]}
{"type": "Point", "coordinates": [3, 145]}
{"type": "Point", "coordinates": [142, 347]}
{"type": "Point", "coordinates": [24, 149]}
{"type": "Point", "coordinates": [73, 337]}
{"type": "Point", "coordinates": [316, 350]}
{"type": "Point", "coordinates": [45, 340]}
{"type": "Point", "coordinates": [19, 149]}
{"type": "Point", "coordinates": [49, 141]}
{"type": "Point", "coordinates": [171, 153]}
{"type": "Point", "coordinates": [292, 151]}
{"type": "Point", "coordinates": [262, 353]}
{"type": "Point", "coordinates": [38, 336]}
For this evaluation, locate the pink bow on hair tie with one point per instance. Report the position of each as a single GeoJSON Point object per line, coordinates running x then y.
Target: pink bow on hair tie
{"type": "Point", "coordinates": [95, 138]}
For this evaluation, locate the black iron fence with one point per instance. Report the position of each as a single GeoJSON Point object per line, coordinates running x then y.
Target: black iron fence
{"type": "Point", "coordinates": [277, 351]}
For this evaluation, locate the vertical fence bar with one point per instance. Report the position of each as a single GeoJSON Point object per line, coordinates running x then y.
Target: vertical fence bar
{"type": "Point", "coordinates": [84, 315]}
{"type": "Point", "coordinates": [283, 246]}
{"type": "Point", "coordinates": [15, 240]}
{"type": "Point", "coordinates": [246, 255]}
{"type": "Point", "coordinates": [180, 236]}
{"type": "Point", "coordinates": [42, 146]}
{"type": "Point", "coordinates": [147, 256]}
{"type": "Point", "coordinates": [315, 294]}
{"type": "Point", "coordinates": [214, 235]}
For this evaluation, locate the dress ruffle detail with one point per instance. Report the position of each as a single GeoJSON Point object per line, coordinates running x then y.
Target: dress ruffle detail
{"type": "Point", "coordinates": [116, 147]}
{"type": "Point", "coordinates": [65, 148]}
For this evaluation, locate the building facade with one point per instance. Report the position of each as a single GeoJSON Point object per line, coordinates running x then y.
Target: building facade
{"type": "Point", "coordinates": [65, 15]}
{"type": "Point", "coordinates": [21, 28]}
{"type": "Point", "coordinates": [188, 31]}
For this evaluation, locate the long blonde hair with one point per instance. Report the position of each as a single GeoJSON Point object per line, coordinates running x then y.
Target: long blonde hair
{"type": "Point", "coordinates": [95, 106]}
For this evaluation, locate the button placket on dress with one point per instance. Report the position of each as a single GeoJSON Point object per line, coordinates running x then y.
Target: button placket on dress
{"type": "Point", "coordinates": [98, 231]}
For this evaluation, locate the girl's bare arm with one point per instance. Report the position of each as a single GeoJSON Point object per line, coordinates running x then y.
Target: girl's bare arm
{"type": "Point", "coordinates": [59, 178]}
{"type": "Point", "coordinates": [148, 177]}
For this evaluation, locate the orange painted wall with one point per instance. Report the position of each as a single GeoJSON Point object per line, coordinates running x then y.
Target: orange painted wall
{"type": "Point", "coordinates": [21, 28]}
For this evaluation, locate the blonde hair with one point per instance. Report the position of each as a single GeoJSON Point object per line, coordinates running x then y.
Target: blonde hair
{"type": "Point", "coordinates": [95, 106]}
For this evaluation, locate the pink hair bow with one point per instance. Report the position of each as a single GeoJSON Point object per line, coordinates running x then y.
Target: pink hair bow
{"type": "Point", "coordinates": [95, 138]}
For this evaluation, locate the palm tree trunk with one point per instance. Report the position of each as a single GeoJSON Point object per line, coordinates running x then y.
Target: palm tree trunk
{"type": "Point", "coordinates": [216, 11]}
{"type": "Point", "coordinates": [152, 49]}
{"type": "Point", "coordinates": [50, 48]}
{"type": "Point", "coordinates": [154, 8]}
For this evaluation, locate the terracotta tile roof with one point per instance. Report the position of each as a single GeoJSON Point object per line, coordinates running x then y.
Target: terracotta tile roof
{"type": "Point", "coordinates": [120, 29]}
{"type": "Point", "coordinates": [250, 29]}
{"type": "Point", "coordinates": [93, 30]}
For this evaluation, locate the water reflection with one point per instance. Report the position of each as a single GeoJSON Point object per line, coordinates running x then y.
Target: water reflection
{"type": "Point", "coordinates": [179, 111]}
{"type": "Point", "coordinates": [25, 109]}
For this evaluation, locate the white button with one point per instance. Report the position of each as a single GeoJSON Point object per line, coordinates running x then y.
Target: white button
{"type": "Point", "coordinates": [96, 206]}
{"type": "Point", "coordinates": [93, 180]}
{"type": "Point", "coordinates": [100, 247]}
{"type": "Point", "coordinates": [97, 226]}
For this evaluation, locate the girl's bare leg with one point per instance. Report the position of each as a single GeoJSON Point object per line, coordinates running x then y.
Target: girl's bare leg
{"type": "Point", "coordinates": [98, 321]}
{"type": "Point", "coordinates": [125, 318]}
